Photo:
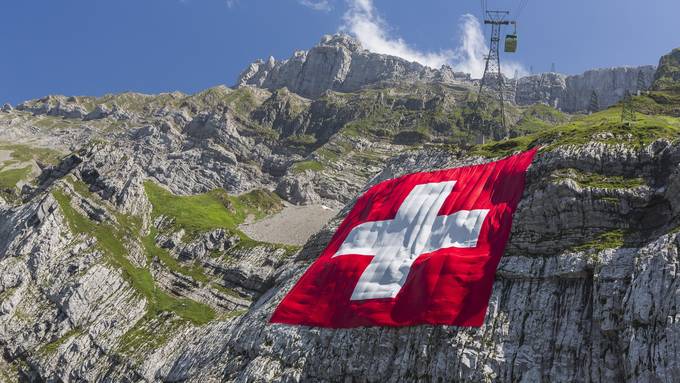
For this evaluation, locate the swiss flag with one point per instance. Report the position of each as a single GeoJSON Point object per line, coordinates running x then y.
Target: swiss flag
{"type": "Point", "coordinates": [418, 249]}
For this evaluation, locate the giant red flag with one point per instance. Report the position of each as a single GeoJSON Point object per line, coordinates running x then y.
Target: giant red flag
{"type": "Point", "coordinates": [418, 249]}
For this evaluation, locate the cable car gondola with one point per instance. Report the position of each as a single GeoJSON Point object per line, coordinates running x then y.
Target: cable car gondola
{"type": "Point", "coordinates": [511, 41]}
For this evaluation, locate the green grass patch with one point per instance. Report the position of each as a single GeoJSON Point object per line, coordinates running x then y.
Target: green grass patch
{"type": "Point", "coordinates": [149, 334]}
{"type": "Point", "coordinates": [80, 187]}
{"type": "Point", "coordinates": [302, 166]}
{"type": "Point", "coordinates": [538, 117]}
{"type": "Point", "coordinates": [54, 345]}
{"type": "Point", "coordinates": [10, 178]}
{"type": "Point", "coordinates": [600, 181]}
{"type": "Point", "coordinates": [195, 213]}
{"type": "Point", "coordinates": [212, 210]}
{"type": "Point", "coordinates": [25, 153]}
{"type": "Point", "coordinates": [209, 211]}
{"type": "Point", "coordinates": [545, 113]}
{"type": "Point", "coordinates": [503, 148]}
{"type": "Point", "coordinates": [233, 314]}
{"type": "Point", "coordinates": [249, 243]}
{"type": "Point", "coordinates": [22, 315]}
{"type": "Point", "coordinates": [111, 239]}
{"type": "Point", "coordinates": [530, 124]}
{"type": "Point", "coordinates": [259, 202]}
{"type": "Point", "coordinates": [305, 140]}
{"type": "Point", "coordinates": [227, 291]}
{"type": "Point", "coordinates": [612, 200]}
{"type": "Point", "coordinates": [55, 122]}
{"type": "Point", "coordinates": [241, 100]}
{"type": "Point", "coordinates": [328, 155]}
{"type": "Point", "coordinates": [152, 250]}
{"type": "Point", "coordinates": [604, 126]}
{"type": "Point", "coordinates": [6, 293]}
{"type": "Point", "coordinates": [608, 240]}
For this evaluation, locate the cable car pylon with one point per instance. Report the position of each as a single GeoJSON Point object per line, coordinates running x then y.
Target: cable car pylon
{"type": "Point", "coordinates": [492, 68]}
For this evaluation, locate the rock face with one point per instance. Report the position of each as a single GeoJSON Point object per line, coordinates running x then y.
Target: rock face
{"type": "Point", "coordinates": [339, 63]}
{"type": "Point", "coordinates": [546, 88]}
{"type": "Point", "coordinates": [610, 85]}
{"type": "Point", "coordinates": [667, 77]}
{"type": "Point", "coordinates": [572, 93]}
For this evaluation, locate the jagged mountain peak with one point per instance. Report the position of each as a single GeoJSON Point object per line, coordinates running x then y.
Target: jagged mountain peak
{"type": "Point", "coordinates": [341, 40]}
{"type": "Point", "coordinates": [339, 63]}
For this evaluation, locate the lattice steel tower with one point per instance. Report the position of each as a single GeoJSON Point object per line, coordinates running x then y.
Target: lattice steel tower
{"type": "Point", "coordinates": [492, 69]}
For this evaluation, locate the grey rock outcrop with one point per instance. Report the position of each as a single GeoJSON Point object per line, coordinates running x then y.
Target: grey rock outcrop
{"type": "Point", "coordinates": [339, 63]}
{"type": "Point", "coordinates": [55, 106]}
{"type": "Point", "coordinates": [610, 85]}
{"type": "Point", "coordinates": [298, 189]}
{"type": "Point", "coordinates": [667, 77]}
{"type": "Point", "coordinates": [546, 88]}
{"type": "Point", "coordinates": [100, 111]}
{"type": "Point", "coordinates": [572, 93]}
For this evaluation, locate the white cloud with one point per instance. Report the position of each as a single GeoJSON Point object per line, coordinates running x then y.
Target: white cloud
{"type": "Point", "coordinates": [362, 21]}
{"type": "Point", "coordinates": [317, 5]}
{"type": "Point", "coordinates": [469, 56]}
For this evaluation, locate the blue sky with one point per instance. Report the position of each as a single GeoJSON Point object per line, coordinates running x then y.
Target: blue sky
{"type": "Point", "coordinates": [94, 47]}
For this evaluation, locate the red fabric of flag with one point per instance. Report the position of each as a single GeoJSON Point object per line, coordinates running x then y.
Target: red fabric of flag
{"type": "Point", "coordinates": [419, 249]}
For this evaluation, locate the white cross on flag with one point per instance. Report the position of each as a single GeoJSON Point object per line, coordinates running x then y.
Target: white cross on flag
{"type": "Point", "coordinates": [422, 248]}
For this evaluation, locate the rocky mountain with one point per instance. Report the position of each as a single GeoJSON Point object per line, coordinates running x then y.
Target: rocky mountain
{"type": "Point", "coordinates": [339, 63]}
{"type": "Point", "coordinates": [149, 237]}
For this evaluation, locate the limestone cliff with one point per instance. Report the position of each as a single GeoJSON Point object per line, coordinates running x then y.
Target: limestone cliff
{"type": "Point", "coordinates": [572, 93]}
